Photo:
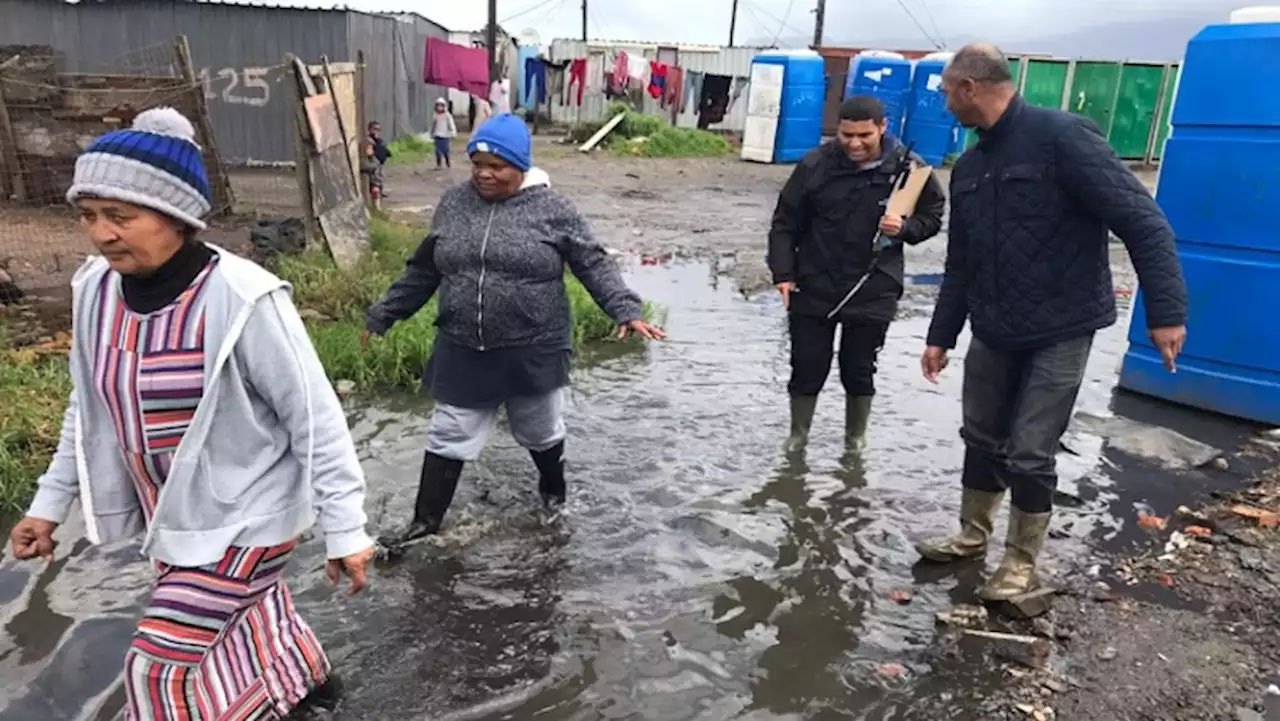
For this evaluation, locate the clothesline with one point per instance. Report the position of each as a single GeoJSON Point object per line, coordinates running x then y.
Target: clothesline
{"type": "Point", "coordinates": [712, 96]}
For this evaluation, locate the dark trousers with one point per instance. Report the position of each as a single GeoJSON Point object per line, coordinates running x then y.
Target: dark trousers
{"type": "Point", "coordinates": [442, 150]}
{"type": "Point", "coordinates": [812, 342]}
{"type": "Point", "coordinates": [1016, 408]}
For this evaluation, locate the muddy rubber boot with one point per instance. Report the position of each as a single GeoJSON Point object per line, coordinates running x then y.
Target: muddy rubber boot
{"type": "Point", "coordinates": [436, 485]}
{"type": "Point", "coordinates": [1017, 572]}
{"type": "Point", "coordinates": [324, 697]}
{"type": "Point", "coordinates": [857, 414]}
{"type": "Point", "coordinates": [978, 511]}
{"type": "Point", "coordinates": [802, 410]}
{"type": "Point", "coordinates": [551, 485]}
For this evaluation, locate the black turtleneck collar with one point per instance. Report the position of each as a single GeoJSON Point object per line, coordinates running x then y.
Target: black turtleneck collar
{"type": "Point", "coordinates": [1007, 119]}
{"type": "Point", "coordinates": [150, 293]}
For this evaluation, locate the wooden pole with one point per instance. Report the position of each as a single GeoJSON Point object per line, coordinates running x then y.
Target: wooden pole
{"type": "Point", "coordinates": [491, 41]}
{"type": "Point", "coordinates": [584, 21]}
{"type": "Point", "coordinates": [182, 55]}
{"type": "Point", "coordinates": [11, 180]}
{"type": "Point", "coordinates": [733, 22]}
{"type": "Point", "coordinates": [819, 18]}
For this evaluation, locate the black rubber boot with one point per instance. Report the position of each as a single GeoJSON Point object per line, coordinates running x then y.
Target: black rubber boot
{"type": "Point", "coordinates": [436, 485]}
{"type": "Point", "coordinates": [551, 485]}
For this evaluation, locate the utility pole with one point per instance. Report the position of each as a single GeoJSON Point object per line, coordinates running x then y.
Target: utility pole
{"type": "Point", "coordinates": [820, 16]}
{"type": "Point", "coordinates": [584, 21]}
{"type": "Point", "coordinates": [733, 22]}
{"type": "Point", "coordinates": [491, 40]}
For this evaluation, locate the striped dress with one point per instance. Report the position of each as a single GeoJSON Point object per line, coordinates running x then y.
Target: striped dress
{"type": "Point", "coordinates": [220, 642]}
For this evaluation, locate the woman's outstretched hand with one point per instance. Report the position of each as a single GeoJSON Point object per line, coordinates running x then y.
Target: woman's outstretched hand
{"type": "Point", "coordinates": [641, 328]}
{"type": "Point", "coordinates": [353, 567]}
{"type": "Point", "coordinates": [32, 537]}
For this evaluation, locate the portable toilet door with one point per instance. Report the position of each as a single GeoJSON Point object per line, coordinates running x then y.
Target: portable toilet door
{"type": "Point", "coordinates": [764, 105]}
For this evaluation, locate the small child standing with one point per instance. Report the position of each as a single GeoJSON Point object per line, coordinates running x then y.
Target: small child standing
{"type": "Point", "coordinates": [442, 130]}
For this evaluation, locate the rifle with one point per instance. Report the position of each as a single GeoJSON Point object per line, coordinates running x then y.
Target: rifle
{"type": "Point", "coordinates": [900, 172]}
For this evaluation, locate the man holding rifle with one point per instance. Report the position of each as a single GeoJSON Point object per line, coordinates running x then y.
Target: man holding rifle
{"type": "Point", "coordinates": [836, 257]}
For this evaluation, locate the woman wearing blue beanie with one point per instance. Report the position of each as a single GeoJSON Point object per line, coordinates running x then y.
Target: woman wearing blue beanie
{"type": "Point", "coordinates": [496, 254]}
{"type": "Point", "coordinates": [220, 452]}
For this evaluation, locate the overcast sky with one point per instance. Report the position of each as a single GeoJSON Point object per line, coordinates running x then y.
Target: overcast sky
{"type": "Point", "coordinates": [925, 22]}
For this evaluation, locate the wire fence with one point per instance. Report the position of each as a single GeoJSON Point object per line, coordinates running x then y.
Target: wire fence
{"type": "Point", "coordinates": [47, 117]}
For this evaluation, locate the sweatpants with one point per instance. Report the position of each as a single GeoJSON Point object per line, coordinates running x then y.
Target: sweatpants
{"type": "Point", "coordinates": [812, 346]}
{"type": "Point", "coordinates": [537, 423]}
{"type": "Point", "coordinates": [1016, 407]}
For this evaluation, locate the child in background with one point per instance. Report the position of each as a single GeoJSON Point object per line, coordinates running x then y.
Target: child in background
{"type": "Point", "coordinates": [371, 167]}
{"type": "Point", "coordinates": [442, 131]}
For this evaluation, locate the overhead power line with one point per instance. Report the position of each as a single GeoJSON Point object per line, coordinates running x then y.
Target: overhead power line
{"type": "Point", "coordinates": [758, 12]}
{"type": "Point", "coordinates": [933, 22]}
{"type": "Point", "coordinates": [527, 10]}
{"type": "Point", "coordinates": [919, 27]}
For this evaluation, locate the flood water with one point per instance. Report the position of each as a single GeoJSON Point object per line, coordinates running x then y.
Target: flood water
{"type": "Point", "coordinates": [699, 573]}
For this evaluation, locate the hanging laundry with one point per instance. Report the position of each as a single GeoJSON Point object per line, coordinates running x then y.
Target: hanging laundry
{"type": "Point", "coordinates": [500, 96]}
{"type": "Point", "coordinates": [714, 100]}
{"type": "Point", "coordinates": [739, 85]}
{"type": "Point", "coordinates": [535, 81]}
{"type": "Point", "coordinates": [577, 74]}
{"type": "Point", "coordinates": [621, 69]}
{"type": "Point", "coordinates": [637, 69]}
{"type": "Point", "coordinates": [555, 79]}
{"type": "Point", "coordinates": [456, 66]}
{"type": "Point", "coordinates": [657, 80]}
{"type": "Point", "coordinates": [692, 90]}
{"type": "Point", "coordinates": [675, 87]}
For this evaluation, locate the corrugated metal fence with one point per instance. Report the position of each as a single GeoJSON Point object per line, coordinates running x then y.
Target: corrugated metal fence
{"type": "Point", "coordinates": [733, 62]}
{"type": "Point", "coordinates": [238, 51]}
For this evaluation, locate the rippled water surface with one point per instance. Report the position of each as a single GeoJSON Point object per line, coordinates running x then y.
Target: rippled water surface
{"type": "Point", "coordinates": [699, 573]}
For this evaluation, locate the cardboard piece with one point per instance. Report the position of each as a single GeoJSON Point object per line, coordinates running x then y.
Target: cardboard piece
{"type": "Point", "coordinates": [903, 199]}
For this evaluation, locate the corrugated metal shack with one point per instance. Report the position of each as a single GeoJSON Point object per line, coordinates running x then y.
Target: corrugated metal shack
{"type": "Point", "coordinates": [238, 50]}
{"type": "Point", "coordinates": [711, 59]}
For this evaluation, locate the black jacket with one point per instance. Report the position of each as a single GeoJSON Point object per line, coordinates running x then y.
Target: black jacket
{"type": "Point", "coordinates": [823, 227]}
{"type": "Point", "coordinates": [1027, 255]}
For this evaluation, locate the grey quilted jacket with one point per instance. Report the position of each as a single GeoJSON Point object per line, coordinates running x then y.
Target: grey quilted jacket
{"type": "Point", "coordinates": [1028, 262]}
{"type": "Point", "coordinates": [499, 270]}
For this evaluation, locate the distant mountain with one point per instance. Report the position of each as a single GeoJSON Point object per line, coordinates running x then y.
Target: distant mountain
{"type": "Point", "coordinates": [1161, 39]}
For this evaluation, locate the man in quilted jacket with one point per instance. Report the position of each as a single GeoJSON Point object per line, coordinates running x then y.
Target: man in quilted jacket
{"type": "Point", "coordinates": [1028, 266]}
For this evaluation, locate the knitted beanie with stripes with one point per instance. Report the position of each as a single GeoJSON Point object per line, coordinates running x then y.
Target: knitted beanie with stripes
{"type": "Point", "coordinates": [155, 164]}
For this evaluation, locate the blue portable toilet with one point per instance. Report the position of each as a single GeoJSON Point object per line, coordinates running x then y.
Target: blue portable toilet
{"type": "Point", "coordinates": [1219, 188]}
{"type": "Point", "coordinates": [885, 75]}
{"type": "Point", "coordinates": [932, 127]}
{"type": "Point", "coordinates": [784, 106]}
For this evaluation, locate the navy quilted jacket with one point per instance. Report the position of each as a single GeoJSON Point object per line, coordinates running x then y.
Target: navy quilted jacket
{"type": "Point", "coordinates": [1027, 255]}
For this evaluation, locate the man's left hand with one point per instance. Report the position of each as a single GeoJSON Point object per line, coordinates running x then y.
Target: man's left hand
{"type": "Point", "coordinates": [1169, 342]}
{"type": "Point", "coordinates": [891, 224]}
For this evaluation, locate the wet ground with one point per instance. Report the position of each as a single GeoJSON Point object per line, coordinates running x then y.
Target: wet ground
{"type": "Point", "coordinates": [699, 573]}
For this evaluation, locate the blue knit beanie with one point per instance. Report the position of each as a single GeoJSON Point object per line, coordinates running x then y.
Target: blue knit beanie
{"type": "Point", "coordinates": [507, 137]}
{"type": "Point", "coordinates": [155, 164]}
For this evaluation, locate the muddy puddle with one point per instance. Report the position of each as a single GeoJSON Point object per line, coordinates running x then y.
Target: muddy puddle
{"type": "Point", "coordinates": [698, 574]}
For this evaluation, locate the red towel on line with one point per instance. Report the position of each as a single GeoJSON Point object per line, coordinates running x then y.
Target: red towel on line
{"type": "Point", "coordinates": [456, 66]}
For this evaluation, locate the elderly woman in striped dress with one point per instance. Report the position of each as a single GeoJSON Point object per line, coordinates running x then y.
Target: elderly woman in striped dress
{"type": "Point", "coordinates": [202, 418]}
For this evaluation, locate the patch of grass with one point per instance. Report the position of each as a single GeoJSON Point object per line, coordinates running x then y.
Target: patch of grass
{"type": "Point", "coordinates": [333, 304]}
{"type": "Point", "coordinates": [651, 136]}
{"type": "Point", "coordinates": [34, 386]}
{"type": "Point", "coordinates": [409, 149]}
